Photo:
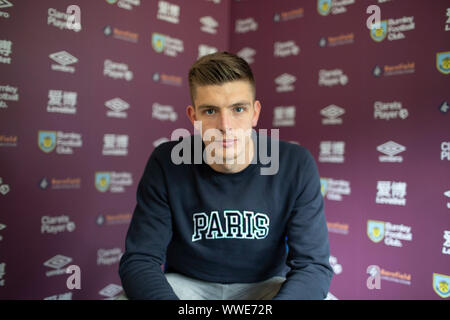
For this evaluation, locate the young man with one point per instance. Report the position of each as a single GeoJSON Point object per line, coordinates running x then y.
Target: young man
{"type": "Point", "coordinates": [220, 226]}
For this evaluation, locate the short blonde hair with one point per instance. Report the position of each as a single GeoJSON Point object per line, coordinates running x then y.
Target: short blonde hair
{"type": "Point", "coordinates": [219, 68]}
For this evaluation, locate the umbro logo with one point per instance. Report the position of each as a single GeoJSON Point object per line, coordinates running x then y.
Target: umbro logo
{"type": "Point", "coordinates": [391, 149]}
{"type": "Point", "coordinates": [285, 82]}
{"type": "Point", "coordinates": [117, 107]}
{"type": "Point", "coordinates": [332, 114]}
{"type": "Point", "coordinates": [5, 4]}
{"type": "Point", "coordinates": [63, 60]}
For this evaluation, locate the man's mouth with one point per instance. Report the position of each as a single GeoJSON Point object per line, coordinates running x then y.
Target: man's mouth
{"type": "Point", "coordinates": [227, 142]}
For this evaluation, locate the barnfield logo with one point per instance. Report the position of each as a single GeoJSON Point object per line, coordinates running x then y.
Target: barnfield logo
{"type": "Point", "coordinates": [394, 70]}
{"type": "Point", "coordinates": [102, 181]}
{"type": "Point", "coordinates": [47, 141]}
{"type": "Point", "coordinates": [121, 34]}
{"type": "Point", "coordinates": [339, 40]}
{"type": "Point", "coordinates": [441, 285]}
{"type": "Point", "coordinates": [338, 227]}
{"type": "Point", "coordinates": [113, 219]}
{"type": "Point", "coordinates": [375, 230]}
{"type": "Point", "coordinates": [324, 7]}
{"type": "Point", "coordinates": [443, 62]}
{"type": "Point", "coordinates": [8, 141]}
{"type": "Point", "coordinates": [288, 15]}
{"type": "Point", "coordinates": [168, 79]}
{"type": "Point", "coordinates": [378, 32]}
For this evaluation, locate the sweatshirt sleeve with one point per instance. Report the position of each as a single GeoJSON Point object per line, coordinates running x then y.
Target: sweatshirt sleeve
{"type": "Point", "coordinates": [307, 236]}
{"type": "Point", "coordinates": [148, 236]}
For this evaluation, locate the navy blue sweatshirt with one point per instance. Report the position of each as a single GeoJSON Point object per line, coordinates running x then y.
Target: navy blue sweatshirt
{"type": "Point", "coordinates": [228, 228]}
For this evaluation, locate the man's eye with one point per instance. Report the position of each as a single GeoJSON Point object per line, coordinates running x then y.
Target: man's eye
{"type": "Point", "coordinates": [239, 109]}
{"type": "Point", "coordinates": [209, 111]}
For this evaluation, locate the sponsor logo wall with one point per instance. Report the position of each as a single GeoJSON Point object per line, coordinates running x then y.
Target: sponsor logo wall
{"type": "Point", "coordinates": [81, 110]}
{"type": "Point", "coordinates": [82, 107]}
{"type": "Point", "coordinates": [371, 106]}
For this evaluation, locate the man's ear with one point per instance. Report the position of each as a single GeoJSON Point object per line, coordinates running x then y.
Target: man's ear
{"type": "Point", "coordinates": [190, 111]}
{"type": "Point", "coordinates": [256, 112]}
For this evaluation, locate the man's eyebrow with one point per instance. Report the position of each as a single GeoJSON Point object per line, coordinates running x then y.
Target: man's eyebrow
{"type": "Point", "coordinates": [210, 106]}
{"type": "Point", "coordinates": [207, 106]}
{"type": "Point", "coordinates": [241, 103]}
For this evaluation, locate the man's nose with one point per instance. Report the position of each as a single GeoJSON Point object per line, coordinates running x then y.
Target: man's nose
{"type": "Point", "coordinates": [225, 121]}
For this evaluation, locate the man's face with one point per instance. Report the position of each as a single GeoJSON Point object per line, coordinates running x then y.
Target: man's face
{"type": "Point", "coordinates": [231, 110]}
